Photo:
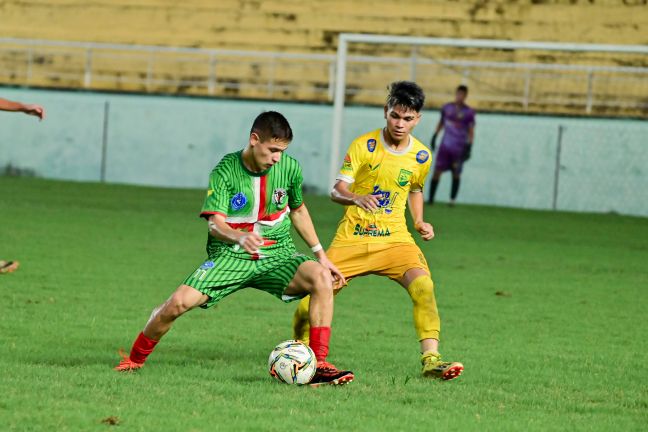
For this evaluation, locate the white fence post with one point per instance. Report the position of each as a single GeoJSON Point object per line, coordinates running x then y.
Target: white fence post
{"type": "Point", "coordinates": [87, 74]}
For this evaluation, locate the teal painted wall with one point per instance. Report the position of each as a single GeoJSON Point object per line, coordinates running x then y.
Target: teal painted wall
{"type": "Point", "coordinates": [168, 141]}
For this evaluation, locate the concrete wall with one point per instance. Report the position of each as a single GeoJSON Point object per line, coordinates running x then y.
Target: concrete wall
{"type": "Point", "coordinates": [167, 141]}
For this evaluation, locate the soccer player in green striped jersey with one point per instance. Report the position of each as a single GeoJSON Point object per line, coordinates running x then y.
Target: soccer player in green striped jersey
{"type": "Point", "coordinates": [253, 198]}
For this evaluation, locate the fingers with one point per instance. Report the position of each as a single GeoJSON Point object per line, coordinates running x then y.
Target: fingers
{"type": "Point", "coordinates": [367, 202]}
{"type": "Point", "coordinates": [251, 242]}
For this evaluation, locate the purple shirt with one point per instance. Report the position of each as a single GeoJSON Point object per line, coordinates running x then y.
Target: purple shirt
{"type": "Point", "coordinates": [456, 123]}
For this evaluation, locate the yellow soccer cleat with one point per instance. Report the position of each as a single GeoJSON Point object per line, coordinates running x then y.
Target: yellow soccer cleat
{"type": "Point", "coordinates": [435, 368]}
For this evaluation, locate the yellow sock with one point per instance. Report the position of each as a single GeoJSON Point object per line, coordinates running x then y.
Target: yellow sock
{"type": "Point", "coordinates": [426, 315]}
{"type": "Point", "coordinates": [301, 323]}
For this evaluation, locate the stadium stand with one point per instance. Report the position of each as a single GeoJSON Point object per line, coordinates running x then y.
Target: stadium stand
{"type": "Point", "coordinates": [311, 27]}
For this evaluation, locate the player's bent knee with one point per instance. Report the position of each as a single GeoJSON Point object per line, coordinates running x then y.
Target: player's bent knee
{"type": "Point", "coordinates": [321, 282]}
{"type": "Point", "coordinates": [421, 290]}
{"type": "Point", "coordinates": [174, 307]}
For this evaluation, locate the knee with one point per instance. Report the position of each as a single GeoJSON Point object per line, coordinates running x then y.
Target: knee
{"type": "Point", "coordinates": [321, 282]}
{"type": "Point", "coordinates": [174, 307]}
{"type": "Point", "coordinates": [421, 290]}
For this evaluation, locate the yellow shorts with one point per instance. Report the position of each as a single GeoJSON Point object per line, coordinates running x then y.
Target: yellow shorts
{"type": "Point", "coordinates": [392, 259]}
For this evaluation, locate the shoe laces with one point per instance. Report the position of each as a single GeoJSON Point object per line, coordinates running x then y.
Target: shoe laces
{"type": "Point", "coordinates": [324, 365]}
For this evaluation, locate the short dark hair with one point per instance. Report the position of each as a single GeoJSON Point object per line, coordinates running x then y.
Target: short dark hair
{"type": "Point", "coordinates": [407, 94]}
{"type": "Point", "coordinates": [462, 88]}
{"type": "Point", "coordinates": [272, 125]}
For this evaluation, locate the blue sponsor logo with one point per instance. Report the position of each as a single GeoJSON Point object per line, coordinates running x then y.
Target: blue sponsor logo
{"type": "Point", "coordinates": [422, 156]}
{"type": "Point", "coordinates": [238, 202]}
{"type": "Point", "coordinates": [371, 145]}
{"type": "Point", "coordinates": [207, 265]}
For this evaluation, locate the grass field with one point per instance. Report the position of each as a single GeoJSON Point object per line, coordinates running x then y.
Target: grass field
{"type": "Point", "coordinates": [546, 310]}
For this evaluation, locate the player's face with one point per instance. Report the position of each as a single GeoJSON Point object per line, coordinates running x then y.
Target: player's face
{"type": "Point", "coordinates": [460, 97]}
{"type": "Point", "coordinates": [267, 153]}
{"type": "Point", "coordinates": [400, 121]}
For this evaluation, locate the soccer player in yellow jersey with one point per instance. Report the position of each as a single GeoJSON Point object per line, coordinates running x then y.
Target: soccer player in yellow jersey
{"type": "Point", "coordinates": [382, 171]}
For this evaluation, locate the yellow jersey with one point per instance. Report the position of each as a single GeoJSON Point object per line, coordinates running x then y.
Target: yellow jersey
{"type": "Point", "coordinates": [372, 167]}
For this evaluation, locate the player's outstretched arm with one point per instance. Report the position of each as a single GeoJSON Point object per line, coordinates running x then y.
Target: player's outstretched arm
{"type": "Point", "coordinates": [342, 195]}
{"type": "Point", "coordinates": [30, 109]}
{"type": "Point", "coordinates": [416, 210]}
{"type": "Point", "coordinates": [303, 223]}
{"type": "Point", "coordinates": [249, 241]}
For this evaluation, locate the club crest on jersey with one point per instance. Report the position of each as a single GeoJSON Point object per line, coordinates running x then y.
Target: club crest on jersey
{"type": "Point", "coordinates": [207, 265]}
{"type": "Point", "coordinates": [279, 196]}
{"type": "Point", "coordinates": [371, 145]}
{"type": "Point", "coordinates": [422, 156]}
{"type": "Point", "coordinates": [404, 177]}
{"type": "Point", "coordinates": [238, 201]}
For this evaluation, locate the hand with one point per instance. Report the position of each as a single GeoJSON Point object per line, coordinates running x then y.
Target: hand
{"type": "Point", "coordinates": [337, 276]}
{"type": "Point", "coordinates": [426, 230]}
{"type": "Point", "coordinates": [35, 110]}
{"type": "Point", "coordinates": [366, 202]}
{"type": "Point", "coordinates": [433, 142]}
{"type": "Point", "coordinates": [467, 150]}
{"type": "Point", "coordinates": [250, 242]}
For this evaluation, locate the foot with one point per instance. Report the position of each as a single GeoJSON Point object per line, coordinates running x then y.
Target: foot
{"type": "Point", "coordinates": [126, 364]}
{"type": "Point", "coordinates": [8, 266]}
{"type": "Point", "coordinates": [435, 368]}
{"type": "Point", "coordinates": [326, 373]}
{"type": "Point", "coordinates": [452, 203]}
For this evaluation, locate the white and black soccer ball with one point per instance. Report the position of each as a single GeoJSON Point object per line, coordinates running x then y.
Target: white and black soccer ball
{"type": "Point", "coordinates": [292, 362]}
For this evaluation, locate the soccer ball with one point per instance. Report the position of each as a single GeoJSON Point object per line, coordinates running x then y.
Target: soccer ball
{"type": "Point", "coordinates": [292, 362]}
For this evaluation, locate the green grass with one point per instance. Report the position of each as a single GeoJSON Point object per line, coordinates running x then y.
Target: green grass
{"type": "Point", "coordinates": [564, 347]}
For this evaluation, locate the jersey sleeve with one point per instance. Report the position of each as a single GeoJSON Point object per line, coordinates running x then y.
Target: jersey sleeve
{"type": "Point", "coordinates": [352, 163]}
{"type": "Point", "coordinates": [217, 199]}
{"type": "Point", "coordinates": [418, 179]}
{"type": "Point", "coordinates": [295, 193]}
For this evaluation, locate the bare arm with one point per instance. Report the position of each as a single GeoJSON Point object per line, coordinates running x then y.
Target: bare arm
{"type": "Point", "coordinates": [471, 134]}
{"type": "Point", "coordinates": [416, 210]}
{"type": "Point", "coordinates": [303, 223]}
{"type": "Point", "coordinates": [342, 195]}
{"type": "Point", "coordinates": [31, 109]}
{"type": "Point", "coordinates": [249, 241]}
{"type": "Point", "coordinates": [439, 126]}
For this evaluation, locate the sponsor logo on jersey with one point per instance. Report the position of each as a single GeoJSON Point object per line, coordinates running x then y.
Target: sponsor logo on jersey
{"type": "Point", "coordinates": [346, 165]}
{"type": "Point", "coordinates": [422, 156]}
{"type": "Point", "coordinates": [207, 265]}
{"type": "Point", "coordinates": [238, 201]}
{"type": "Point", "coordinates": [371, 145]}
{"type": "Point", "coordinates": [404, 177]}
{"type": "Point", "coordinates": [279, 196]}
{"type": "Point", "coordinates": [370, 231]}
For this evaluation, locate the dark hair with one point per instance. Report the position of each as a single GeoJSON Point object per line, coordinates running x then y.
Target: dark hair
{"type": "Point", "coordinates": [462, 88]}
{"type": "Point", "coordinates": [272, 125]}
{"type": "Point", "coordinates": [407, 94]}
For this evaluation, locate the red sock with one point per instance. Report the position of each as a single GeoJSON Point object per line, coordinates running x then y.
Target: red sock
{"type": "Point", "coordinates": [319, 341]}
{"type": "Point", "coordinates": [142, 347]}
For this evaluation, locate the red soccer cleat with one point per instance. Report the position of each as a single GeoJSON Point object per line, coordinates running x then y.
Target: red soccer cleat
{"type": "Point", "coordinates": [327, 374]}
{"type": "Point", "coordinates": [126, 364]}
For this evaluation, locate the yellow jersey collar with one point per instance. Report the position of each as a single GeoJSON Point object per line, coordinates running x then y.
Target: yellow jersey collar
{"type": "Point", "coordinates": [392, 151]}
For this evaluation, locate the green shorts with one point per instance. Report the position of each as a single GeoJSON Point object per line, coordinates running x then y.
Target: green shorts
{"type": "Point", "coordinates": [225, 274]}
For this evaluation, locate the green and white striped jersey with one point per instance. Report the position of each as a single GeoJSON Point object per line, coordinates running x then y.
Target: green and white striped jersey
{"type": "Point", "coordinates": [258, 202]}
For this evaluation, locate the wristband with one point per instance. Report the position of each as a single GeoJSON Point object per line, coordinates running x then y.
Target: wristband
{"type": "Point", "coordinates": [318, 247]}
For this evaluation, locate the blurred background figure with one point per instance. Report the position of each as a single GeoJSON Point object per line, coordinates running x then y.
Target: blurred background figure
{"type": "Point", "coordinates": [458, 120]}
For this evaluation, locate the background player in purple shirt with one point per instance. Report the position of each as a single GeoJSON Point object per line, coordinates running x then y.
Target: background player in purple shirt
{"type": "Point", "coordinates": [458, 120]}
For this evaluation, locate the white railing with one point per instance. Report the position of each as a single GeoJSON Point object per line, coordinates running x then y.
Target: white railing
{"type": "Point", "coordinates": [262, 74]}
